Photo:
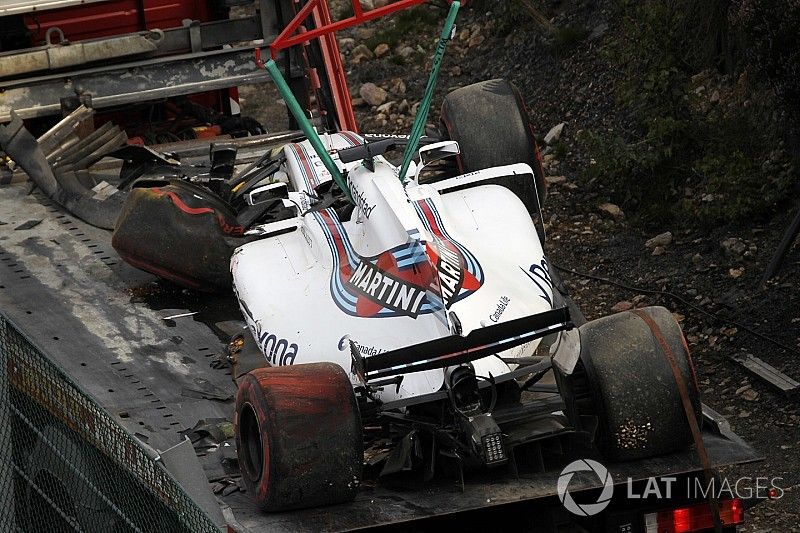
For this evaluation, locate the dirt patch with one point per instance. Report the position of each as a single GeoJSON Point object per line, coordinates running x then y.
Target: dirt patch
{"type": "Point", "coordinates": [263, 103]}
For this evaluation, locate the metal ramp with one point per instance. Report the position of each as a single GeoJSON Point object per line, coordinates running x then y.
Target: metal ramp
{"type": "Point", "coordinates": [64, 284]}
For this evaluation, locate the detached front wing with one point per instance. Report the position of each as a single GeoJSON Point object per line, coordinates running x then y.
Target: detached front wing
{"type": "Point", "coordinates": [456, 349]}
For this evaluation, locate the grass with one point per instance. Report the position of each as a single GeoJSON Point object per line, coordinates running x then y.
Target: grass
{"type": "Point", "coordinates": [405, 25]}
{"type": "Point", "coordinates": [569, 37]}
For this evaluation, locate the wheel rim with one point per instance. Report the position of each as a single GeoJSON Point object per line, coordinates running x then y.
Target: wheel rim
{"type": "Point", "coordinates": [252, 450]}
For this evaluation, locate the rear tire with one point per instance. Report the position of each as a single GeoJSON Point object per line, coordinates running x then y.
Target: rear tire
{"type": "Point", "coordinates": [489, 120]}
{"type": "Point", "coordinates": [634, 393]}
{"type": "Point", "coordinates": [298, 436]}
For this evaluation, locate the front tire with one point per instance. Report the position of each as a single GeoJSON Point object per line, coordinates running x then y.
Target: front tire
{"type": "Point", "coordinates": [489, 120]}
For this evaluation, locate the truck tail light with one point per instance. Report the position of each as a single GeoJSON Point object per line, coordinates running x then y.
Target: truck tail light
{"type": "Point", "coordinates": [694, 518]}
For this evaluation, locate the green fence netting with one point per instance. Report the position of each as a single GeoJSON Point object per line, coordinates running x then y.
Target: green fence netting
{"type": "Point", "coordinates": [67, 465]}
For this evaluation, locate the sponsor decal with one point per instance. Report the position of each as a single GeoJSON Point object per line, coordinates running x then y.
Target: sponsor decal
{"type": "Point", "coordinates": [306, 236]}
{"type": "Point", "coordinates": [386, 289]}
{"type": "Point", "coordinates": [448, 265]}
{"type": "Point", "coordinates": [278, 351]}
{"type": "Point", "coordinates": [412, 279]}
{"type": "Point", "coordinates": [363, 349]}
{"type": "Point", "coordinates": [470, 174]}
{"type": "Point", "coordinates": [386, 136]}
{"type": "Point", "coordinates": [540, 275]}
{"type": "Point", "coordinates": [360, 200]}
{"type": "Point", "coordinates": [304, 202]}
{"type": "Point", "coordinates": [459, 272]}
{"type": "Point", "coordinates": [501, 308]}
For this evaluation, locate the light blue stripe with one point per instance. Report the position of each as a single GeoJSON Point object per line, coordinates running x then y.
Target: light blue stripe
{"type": "Point", "coordinates": [300, 165]}
{"type": "Point", "coordinates": [352, 257]}
{"type": "Point", "coordinates": [311, 166]}
{"type": "Point", "coordinates": [341, 296]}
{"type": "Point", "coordinates": [409, 262]}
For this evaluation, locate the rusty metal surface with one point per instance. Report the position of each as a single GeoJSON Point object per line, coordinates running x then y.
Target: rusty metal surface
{"type": "Point", "coordinates": [58, 56]}
{"type": "Point", "coordinates": [137, 81]}
{"type": "Point", "coordinates": [61, 53]}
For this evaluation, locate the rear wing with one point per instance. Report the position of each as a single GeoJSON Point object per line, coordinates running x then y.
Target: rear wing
{"type": "Point", "coordinates": [456, 349]}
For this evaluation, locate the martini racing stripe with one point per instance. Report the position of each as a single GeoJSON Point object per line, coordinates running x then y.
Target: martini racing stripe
{"type": "Point", "coordinates": [352, 138]}
{"type": "Point", "coordinates": [408, 280]}
{"type": "Point", "coordinates": [435, 226]}
{"type": "Point", "coordinates": [352, 257]}
{"type": "Point", "coordinates": [313, 177]}
{"type": "Point", "coordinates": [454, 283]}
{"type": "Point", "coordinates": [304, 158]}
{"type": "Point", "coordinates": [404, 298]}
{"type": "Point", "coordinates": [343, 299]}
{"type": "Point", "coordinates": [303, 164]}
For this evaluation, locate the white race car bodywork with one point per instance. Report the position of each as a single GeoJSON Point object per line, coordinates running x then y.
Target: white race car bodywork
{"type": "Point", "coordinates": [409, 263]}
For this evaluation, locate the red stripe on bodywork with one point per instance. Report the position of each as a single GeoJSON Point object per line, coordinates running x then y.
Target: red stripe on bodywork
{"type": "Point", "coordinates": [185, 208]}
{"type": "Point", "coordinates": [470, 282]}
{"type": "Point", "coordinates": [426, 210]}
{"type": "Point", "coordinates": [180, 204]}
{"type": "Point", "coordinates": [312, 176]}
{"type": "Point", "coordinates": [350, 137]}
{"type": "Point", "coordinates": [338, 242]}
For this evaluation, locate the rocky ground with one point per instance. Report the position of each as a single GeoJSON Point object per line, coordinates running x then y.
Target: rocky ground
{"type": "Point", "coordinates": [570, 88]}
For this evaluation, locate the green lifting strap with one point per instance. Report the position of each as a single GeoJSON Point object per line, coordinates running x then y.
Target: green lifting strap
{"type": "Point", "coordinates": [425, 106]}
{"type": "Point", "coordinates": [306, 127]}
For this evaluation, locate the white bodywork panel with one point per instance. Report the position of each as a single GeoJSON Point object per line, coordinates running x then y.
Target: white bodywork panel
{"type": "Point", "coordinates": [378, 278]}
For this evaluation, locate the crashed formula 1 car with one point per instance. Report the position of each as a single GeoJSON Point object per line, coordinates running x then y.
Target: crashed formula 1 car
{"type": "Point", "coordinates": [407, 315]}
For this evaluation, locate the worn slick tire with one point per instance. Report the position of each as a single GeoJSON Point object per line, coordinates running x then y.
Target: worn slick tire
{"type": "Point", "coordinates": [489, 120]}
{"type": "Point", "coordinates": [636, 399]}
{"type": "Point", "coordinates": [298, 436]}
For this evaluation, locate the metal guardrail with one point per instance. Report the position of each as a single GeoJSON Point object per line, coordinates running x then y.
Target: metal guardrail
{"type": "Point", "coordinates": [67, 465]}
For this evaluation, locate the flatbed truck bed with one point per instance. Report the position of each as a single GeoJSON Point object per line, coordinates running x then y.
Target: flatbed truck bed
{"type": "Point", "coordinates": [105, 323]}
